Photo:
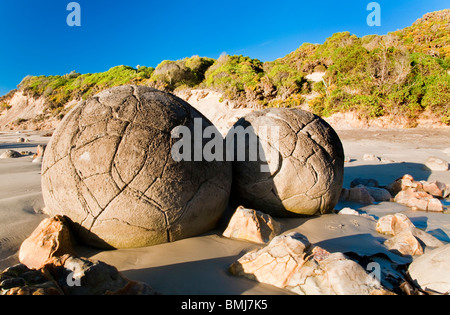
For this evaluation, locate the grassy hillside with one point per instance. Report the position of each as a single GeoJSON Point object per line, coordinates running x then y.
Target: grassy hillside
{"type": "Point", "coordinates": [404, 73]}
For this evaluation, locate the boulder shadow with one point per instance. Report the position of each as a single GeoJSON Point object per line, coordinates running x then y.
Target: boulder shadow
{"type": "Point", "coordinates": [385, 173]}
{"type": "Point", "coordinates": [201, 277]}
{"type": "Point", "coordinates": [18, 146]}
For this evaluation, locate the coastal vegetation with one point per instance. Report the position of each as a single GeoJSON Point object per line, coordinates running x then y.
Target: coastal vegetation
{"type": "Point", "coordinates": [404, 73]}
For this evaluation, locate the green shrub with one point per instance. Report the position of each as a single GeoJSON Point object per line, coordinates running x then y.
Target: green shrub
{"type": "Point", "coordinates": [232, 75]}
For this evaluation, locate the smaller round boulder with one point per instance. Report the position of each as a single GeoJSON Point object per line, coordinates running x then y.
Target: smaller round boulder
{"type": "Point", "coordinates": [286, 162]}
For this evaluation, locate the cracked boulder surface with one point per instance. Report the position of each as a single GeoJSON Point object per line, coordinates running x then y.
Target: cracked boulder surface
{"type": "Point", "coordinates": [305, 160]}
{"type": "Point", "coordinates": [109, 168]}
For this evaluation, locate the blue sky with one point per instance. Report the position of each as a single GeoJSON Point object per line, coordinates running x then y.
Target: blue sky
{"type": "Point", "coordinates": [36, 40]}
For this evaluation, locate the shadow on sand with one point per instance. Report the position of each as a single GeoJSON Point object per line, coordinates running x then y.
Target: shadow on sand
{"type": "Point", "coordinates": [385, 173]}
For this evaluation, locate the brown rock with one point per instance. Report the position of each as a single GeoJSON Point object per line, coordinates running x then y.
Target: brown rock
{"type": "Point", "coordinates": [407, 181]}
{"type": "Point", "coordinates": [285, 263]}
{"type": "Point", "coordinates": [400, 224]}
{"type": "Point", "coordinates": [275, 263]}
{"type": "Point", "coordinates": [251, 225]}
{"type": "Point", "coordinates": [436, 189]}
{"type": "Point", "coordinates": [393, 224]}
{"type": "Point", "coordinates": [82, 276]}
{"type": "Point", "coordinates": [406, 243]}
{"type": "Point", "coordinates": [418, 200]}
{"type": "Point", "coordinates": [360, 194]}
{"type": "Point", "coordinates": [21, 280]}
{"type": "Point", "coordinates": [50, 239]}
{"type": "Point", "coordinates": [40, 149]}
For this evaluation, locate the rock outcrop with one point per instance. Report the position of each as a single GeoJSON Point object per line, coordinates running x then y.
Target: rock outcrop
{"type": "Point", "coordinates": [69, 275]}
{"type": "Point", "coordinates": [407, 239]}
{"type": "Point", "coordinates": [436, 164]}
{"type": "Point", "coordinates": [252, 225]}
{"type": "Point", "coordinates": [52, 238]}
{"type": "Point", "coordinates": [288, 263]}
{"type": "Point", "coordinates": [10, 154]}
{"type": "Point", "coordinates": [418, 195]}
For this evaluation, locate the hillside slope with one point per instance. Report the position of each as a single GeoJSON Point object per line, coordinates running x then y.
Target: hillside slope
{"type": "Point", "coordinates": [405, 74]}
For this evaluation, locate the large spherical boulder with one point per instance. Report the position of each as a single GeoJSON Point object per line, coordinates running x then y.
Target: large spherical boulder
{"type": "Point", "coordinates": [299, 169]}
{"type": "Point", "coordinates": [109, 167]}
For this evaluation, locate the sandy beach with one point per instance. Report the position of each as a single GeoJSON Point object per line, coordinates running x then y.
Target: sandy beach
{"type": "Point", "coordinates": [199, 265]}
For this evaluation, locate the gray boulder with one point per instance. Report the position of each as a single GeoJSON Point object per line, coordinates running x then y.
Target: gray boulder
{"type": "Point", "coordinates": [109, 167]}
{"type": "Point", "coordinates": [300, 164]}
{"type": "Point", "coordinates": [431, 271]}
{"type": "Point", "coordinates": [10, 154]}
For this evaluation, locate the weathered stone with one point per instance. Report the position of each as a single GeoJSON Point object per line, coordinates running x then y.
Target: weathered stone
{"type": "Point", "coordinates": [22, 140]}
{"type": "Point", "coordinates": [405, 243]}
{"type": "Point", "coordinates": [409, 237]}
{"type": "Point", "coordinates": [40, 149]}
{"type": "Point", "coordinates": [418, 200]}
{"type": "Point", "coordinates": [71, 276]}
{"type": "Point", "coordinates": [51, 238]}
{"type": "Point", "coordinates": [348, 211]}
{"type": "Point", "coordinates": [344, 194]}
{"type": "Point", "coordinates": [20, 280]}
{"type": "Point", "coordinates": [37, 160]}
{"type": "Point", "coordinates": [109, 167]}
{"type": "Point", "coordinates": [400, 184]}
{"type": "Point", "coordinates": [394, 224]}
{"type": "Point", "coordinates": [253, 226]}
{"type": "Point", "coordinates": [37, 157]}
{"type": "Point", "coordinates": [284, 263]}
{"type": "Point", "coordinates": [360, 194]}
{"type": "Point", "coordinates": [133, 288]}
{"type": "Point", "coordinates": [81, 276]}
{"type": "Point", "coordinates": [431, 271]}
{"type": "Point", "coordinates": [427, 239]}
{"type": "Point", "coordinates": [436, 164]}
{"type": "Point", "coordinates": [10, 154]}
{"type": "Point", "coordinates": [436, 189]}
{"type": "Point", "coordinates": [371, 157]}
{"type": "Point", "coordinates": [301, 171]}
{"type": "Point", "coordinates": [379, 194]}
{"type": "Point", "coordinates": [275, 263]}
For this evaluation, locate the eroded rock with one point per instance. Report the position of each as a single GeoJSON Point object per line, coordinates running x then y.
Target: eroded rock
{"type": "Point", "coordinates": [253, 226]}
{"type": "Point", "coordinates": [302, 163]}
{"type": "Point", "coordinates": [21, 280]}
{"type": "Point", "coordinates": [394, 224]}
{"type": "Point", "coordinates": [407, 239]}
{"type": "Point", "coordinates": [436, 164]}
{"type": "Point", "coordinates": [287, 263]}
{"type": "Point", "coordinates": [69, 275]}
{"type": "Point", "coordinates": [405, 243]}
{"type": "Point", "coordinates": [109, 167]}
{"type": "Point", "coordinates": [418, 200]}
{"type": "Point", "coordinates": [52, 238]}
{"type": "Point", "coordinates": [431, 271]}
{"type": "Point", "coordinates": [359, 194]}
{"type": "Point", "coordinates": [10, 154]}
